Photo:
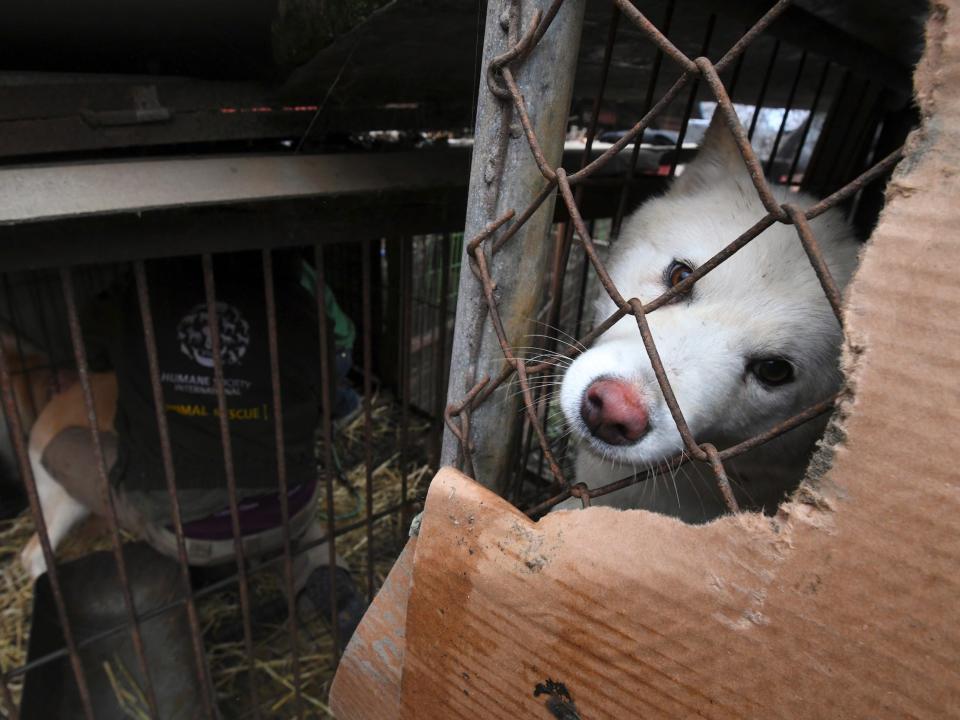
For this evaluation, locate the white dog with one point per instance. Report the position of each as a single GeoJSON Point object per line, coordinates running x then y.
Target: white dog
{"type": "Point", "coordinates": [753, 343]}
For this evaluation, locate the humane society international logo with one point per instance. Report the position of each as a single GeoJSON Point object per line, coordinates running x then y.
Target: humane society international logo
{"type": "Point", "coordinates": [193, 332]}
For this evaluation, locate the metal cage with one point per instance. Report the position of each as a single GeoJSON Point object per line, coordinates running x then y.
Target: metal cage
{"type": "Point", "coordinates": [437, 348]}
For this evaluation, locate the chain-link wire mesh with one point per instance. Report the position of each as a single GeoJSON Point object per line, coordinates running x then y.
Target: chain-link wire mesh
{"type": "Point", "coordinates": [500, 79]}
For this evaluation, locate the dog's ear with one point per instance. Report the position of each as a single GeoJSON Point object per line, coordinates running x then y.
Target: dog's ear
{"type": "Point", "coordinates": [718, 159]}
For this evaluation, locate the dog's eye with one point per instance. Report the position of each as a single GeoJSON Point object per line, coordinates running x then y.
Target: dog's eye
{"type": "Point", "coordinates": [677, 273]}
{"type": "Point", "coordinates": [772, 371]}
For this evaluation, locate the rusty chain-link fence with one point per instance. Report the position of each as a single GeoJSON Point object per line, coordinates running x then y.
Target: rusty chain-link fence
{"type": "Point", "coordinates": [501, 80]}
{"type": "Point", "coordinates": [422, 352]}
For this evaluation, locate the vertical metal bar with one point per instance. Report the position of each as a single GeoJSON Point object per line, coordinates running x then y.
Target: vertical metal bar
{"type": "Point", "coordinates": [13, 712]}
{"type": "Point", "coordinates": [828, 184]}
{"type": "Point", "coordinates": [213, 324]}
{"type": "Point", "coordinates": [556, 292]}
{"type": "Point", "coordinates": [841, 168]}
{"type": "Point", "coordinates": [735, 73]}
{"type": "Point", "coordinates": [691, 98]}
{"type": "Point", "coordinates": [418, 289]}
{"type": "Point", "coordinates": [764, 85]}
{"type": "Point", "coordinates": [368, 409]}
{"type": "Point", "coordinates": [106, 496]}
{"type": "Point", "coordinates": [271, 308]}
{"type": "Point", "coordinates": [166, 453]}
{"type": "Point", "coordinates": [406, 291]}
{"type": "Point", "coordinates": [476, 347]}
{"type": "Point", "coordinates": [17, 331]}
{"type": "Point", "coordinates": [328, 472]}
{"type": "Point", "coordinates": [816, 159]}
{"type": "Point", "coordinates": [565, 238]}
{"type": "Point", "coordinates": [441, 365]}
{"type": "Point", "coordinates": [20, 446]}
{"type": "Point", "coordinates": [585, 271]}
{"type": "Point", "coordinates": [425, 314]}
{"type": "Point", "coordinates": [35, 281]}
{"type": "Point", "coordinates": [647, 104]}
{"type": "Point", "coordinates": [786, 112]}
{"type": "Point", "coordinates": [806, 128]}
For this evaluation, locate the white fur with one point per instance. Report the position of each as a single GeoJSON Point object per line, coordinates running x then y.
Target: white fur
{"type": "Point", "coordinates": [60, 512]}
{"type": "Point", "coordinates": [764, 301]}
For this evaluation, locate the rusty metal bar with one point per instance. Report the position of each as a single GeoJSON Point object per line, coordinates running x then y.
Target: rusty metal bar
{"type": "Point", "coordinates": [647, 104]}
{"type": "Point", "coordinates": [787, 425]}
{"type": "Point", "coordinates": [416, 302]}
{"type": "Point", "coordinates": [35, 283]}
{"type": "Point", "coordinates": [827, 131]}
{"type": "Point", "coordinates": [741, 138]}
{"type": "Point", "coordinates": [17, 330]}
{"type": "Point", "coordinates": [817, 95]}
{"type": "Point", "coordinates": [556, 291]}
{"type": "Point", "coordinates": [723, 482]}
{"type": "Point", "coordinates": [273, 345]}
{"type": "Point", "coordinates": [735, 76]}
{"type": "Point", "coordinates": [106, 495]}
{"type": "Point", "coordinates": [786, 112]}
{"type": "Point", "coordinates": [836, 165]}
{"type": "Point", "coordinates": [692, 97]}
{"type": "Point", "coordinates": [758, 28]}
{"type": "Point", "coordinates": [651, 31]}
{"type": "Point", "coordinates": [764, 85]}
{"type": "Point", "coordinates": [368, 410]}
{"type": "Point", "coordinates": [213, 325]}
{"type": "Point", "coordinates": [565, 241]}
{"type": "Point", "coordinates": [855, 185]}
{"type": "Point", "coordinates": [812, 248]}
{"type": "Point", "coordinates": [207, 590]}
{"type": "Point", "coordinates": [328, 472]}
{"type": "Point", "coordinates": [20, 446]}
{"type": "Point", "coordinates": [406, 302]}
{"type": "Point", "coordinates": [732, 54]}
{"type": "Point", "coordinates": [166, 453]}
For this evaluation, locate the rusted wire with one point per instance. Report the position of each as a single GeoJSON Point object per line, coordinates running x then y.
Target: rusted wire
{"type": "Point", "coordinates": [729, 116]}
{"type": "Point", "coordinates": [368, 409]}
{"type": "Point", "coordinates": [691, 99]}
{"type": "Point", "coordinates": [786, 112]}
{"type": "Point", "coordinates": [213, 327]}
{"type": "Point", "coordinates": [713, 457]}
{"type": "Point", "coordinates": [18, 438]}
{"type": "Point", "coordinates": [327, 425]}
{"type": "Point", "coordinates": [212, 588]}
{"type": "Point", "coordinates": [813, 251]}
{"type": "Point", "coordinates": [651, 31]}
{"type": "Point", "coordinates": [166, 454]}
{"type": "Point", "coordinates": [274, 350]}
{"type": "Point", "coordinates": [647, 104]}
{"type": "Point", "coordinates": [106, 496]}
{"type": "Point", "coordinates": [700, 69]}
{"type": "Point", "coordinates": [814, 105]}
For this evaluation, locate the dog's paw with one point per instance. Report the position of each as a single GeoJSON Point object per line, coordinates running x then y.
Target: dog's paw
{"type": "Point", "coordinates": [32, 558]}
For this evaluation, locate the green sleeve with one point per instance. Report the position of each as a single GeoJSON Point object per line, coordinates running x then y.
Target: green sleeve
{"type": "Point", "coordinates": [344, 331]}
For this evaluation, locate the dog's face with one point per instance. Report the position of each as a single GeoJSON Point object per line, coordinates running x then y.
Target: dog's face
{"type": "Point", "coordinates": [754, 341]}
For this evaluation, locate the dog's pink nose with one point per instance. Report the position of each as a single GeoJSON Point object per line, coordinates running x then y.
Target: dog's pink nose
{"type": "Point", "coordinates": [614, 412]}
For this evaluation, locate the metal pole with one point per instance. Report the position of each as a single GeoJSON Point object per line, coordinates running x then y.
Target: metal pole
{"type": "Point", "coordinates": [504, 176]}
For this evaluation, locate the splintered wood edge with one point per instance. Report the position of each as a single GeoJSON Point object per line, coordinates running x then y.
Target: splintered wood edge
{"type": "Point", "coordinates": [367, 683]}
